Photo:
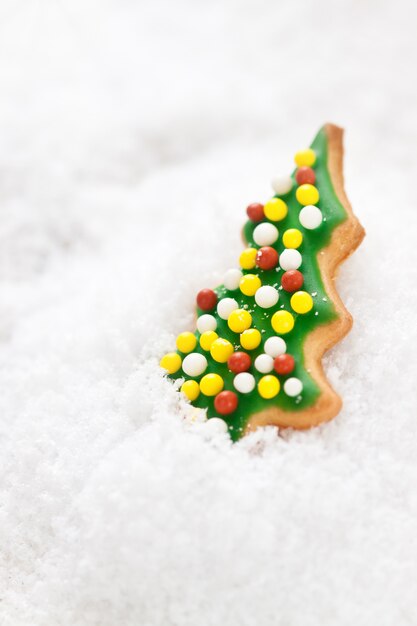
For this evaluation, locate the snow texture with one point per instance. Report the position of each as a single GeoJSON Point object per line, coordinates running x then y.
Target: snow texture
{"type": "Point", "coordinates": [133, 134]}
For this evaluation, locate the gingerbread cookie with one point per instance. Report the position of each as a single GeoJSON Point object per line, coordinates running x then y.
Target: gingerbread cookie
{"type": "Point", "coordinates": [255, 358]}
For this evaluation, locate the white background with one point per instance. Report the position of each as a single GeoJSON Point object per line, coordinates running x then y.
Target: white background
{"type": "Point", "coordinates": [132, 136]}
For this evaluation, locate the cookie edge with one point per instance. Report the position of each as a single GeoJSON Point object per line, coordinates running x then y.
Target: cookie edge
{"type": "Point", "coordinates": [344, 240]}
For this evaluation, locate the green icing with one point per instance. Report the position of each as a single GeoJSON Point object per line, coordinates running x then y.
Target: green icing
{"type": "Point", "coordinates": [322, 312]}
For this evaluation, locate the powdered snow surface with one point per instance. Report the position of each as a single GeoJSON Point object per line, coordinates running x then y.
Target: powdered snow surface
{"type": "Point", "coordinates": [133, 135]}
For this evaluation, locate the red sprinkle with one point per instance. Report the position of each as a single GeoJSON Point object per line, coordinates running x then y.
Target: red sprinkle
{"type": "Point", "coordinates": [305, 176]}
{"type": "Point", "coordinates": [225, 402]}
{"type": "Point", "coordinates": [284, 364]}
{"type": "Point", "coordinates": [239, 362]}
{"type": "Point", "coordinates": [255, 212]}
{"type": "Point", "coordinates": [267, 258]}
{"type": "Point", "coordinates": [206, 299]}
{"type": "Point", "coordinates": [292, 280]}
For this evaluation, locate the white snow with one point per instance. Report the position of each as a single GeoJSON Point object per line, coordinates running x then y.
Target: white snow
{"type": "Point", "coordinates": [133, 135]}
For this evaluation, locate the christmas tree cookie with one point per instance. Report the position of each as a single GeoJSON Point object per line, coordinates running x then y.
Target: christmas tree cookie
{"type": "Point", "coordinates": [255, 358]}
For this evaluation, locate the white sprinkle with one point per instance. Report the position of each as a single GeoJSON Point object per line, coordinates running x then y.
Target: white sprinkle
{"type": "Point", "coordinates": [282, 184]}
{"type": "Point", "coordinates": [206, 322]}
{"type": "Point", "coordinates": [274, 346]}
{"type": "Point", "coordinates": [244, 382]}
{"type": "Point", "coordinates": [290, 259]}
{"type": "Point", "coordinates": [266, 296]}
{"type": "Point", "coordinates": [264, 363]}
{"type": "Point", "coordinates": [293, 387]}
{"type": "Point", "coordinates": [231, 279]}
{"type": "Point", "coordinates": [226, 306]}
{"type": "Point", "coordinates": [194, 364]}
{"type": "Point", "coordinates": [265, 234]}
{"type": "Point", "coordinates": [310, 217]}
{"type": "Point", "coordinates": [215, 426]}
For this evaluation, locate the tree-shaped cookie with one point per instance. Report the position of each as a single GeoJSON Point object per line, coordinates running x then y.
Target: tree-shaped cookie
{"type": "Point", "coordinates": [255, 358]}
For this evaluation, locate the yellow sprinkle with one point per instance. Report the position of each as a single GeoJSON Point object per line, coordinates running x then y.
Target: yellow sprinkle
{"type": "Point", "coordinates": [292, 238]}
{"type": "Point", "coordinates": [191, 389]}
{"type": "Point", "coordinates": [250, 339]}
{"type": "Point", "coordinates": [250, 284]}
{"type": "Point", "coordinates": [305, 157]}
{"type": "Point", "coordinates": [247, 259]}
{"type": "Point", "coordinates": [268, 386]}
{"type": "Point", "coordinates": [307, 194]}
{"type": "Point", "coordinates": [276, 209]}
{"type": "Point", "coordinates": [186, 342]}
{"type": "Point", "coordinates": [282, 322]}
{"type": "Point", "coordinates": [239, 320]}
{"type": "Point", "coordinates": [207, 339]}
{"type": "Point", "coordinates": [211, 384]}
{"type": "Point", "coordinates": [301, 302]}
{"type": "Point", "coordinates": [221, 349]}
{"type": "Point", "coordinates": [171, 362]}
